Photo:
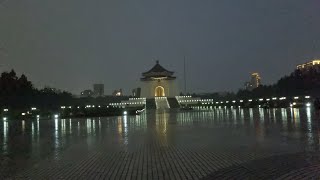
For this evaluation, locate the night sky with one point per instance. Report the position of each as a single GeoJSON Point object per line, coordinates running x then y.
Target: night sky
{"type": "Point", "coordinates": [72, 44]}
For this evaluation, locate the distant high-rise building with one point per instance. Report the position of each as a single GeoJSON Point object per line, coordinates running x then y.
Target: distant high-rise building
{"type": "Point", "coordinates": [314, 64]}
{"type": "Point", "coordinates": [254, 82]}
{"type": "Point", "coordinates": [98, 90]}
{"type": "Point", "coordinates": [136, 92]}
{"type": "Point", "coordinates": [86, 93]}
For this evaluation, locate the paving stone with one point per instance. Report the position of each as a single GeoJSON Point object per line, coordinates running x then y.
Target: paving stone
{"type": "Point", "coordinates": [211, 144]}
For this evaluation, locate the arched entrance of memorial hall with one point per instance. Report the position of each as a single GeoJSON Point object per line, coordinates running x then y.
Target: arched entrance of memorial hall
{"type": "Point", "coordinates": [159, 91]}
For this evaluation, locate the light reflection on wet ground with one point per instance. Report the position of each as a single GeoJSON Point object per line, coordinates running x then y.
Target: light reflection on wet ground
{"type": "Point", "coordinates": [266, 132]}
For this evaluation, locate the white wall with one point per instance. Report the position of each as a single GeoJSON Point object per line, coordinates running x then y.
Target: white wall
{"type": "Point", "coordinates": [148, 88]}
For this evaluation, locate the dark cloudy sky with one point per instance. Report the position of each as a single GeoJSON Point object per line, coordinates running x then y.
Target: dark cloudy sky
{"type": "Point", "coordinates": [71, 44]}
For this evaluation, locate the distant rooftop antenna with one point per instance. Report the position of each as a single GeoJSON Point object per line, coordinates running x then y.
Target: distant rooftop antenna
{"type": "Point", "coordinates": [185, 76]}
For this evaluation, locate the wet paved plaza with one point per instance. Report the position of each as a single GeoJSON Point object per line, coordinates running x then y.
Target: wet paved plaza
{"type": "Point", "coordinates": [199, 144]}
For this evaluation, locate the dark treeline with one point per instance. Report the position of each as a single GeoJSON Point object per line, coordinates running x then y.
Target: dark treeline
{"type": "Point", "coordinates": [19, 93]}
{"type": "Point", "coordinates": [298, 83]}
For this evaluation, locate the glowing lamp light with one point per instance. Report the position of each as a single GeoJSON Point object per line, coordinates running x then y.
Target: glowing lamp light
{"type": "Point", "coordinates": [274, 98]}
{"type": "Point", "coordinates": [125, 113]}
{"type": "Point", "coordinates": [294, 104]}
{"type": "Point", "coordinates": [241, 100]}
{"type": "Point", "coordinates": [33, 109]}
{"type": "Point", "coordinates": [308, 104]}
{"type": "Point", "coordinates": [63, 107]}
{"type": "Point", "coordinates": [296, 97]}
{"type": "Point", "coordinates": [5, 118]}
{"type": "Point", "coordinates": [250, 100]}
{"type": "Point", "coordinates": [307, 97]}
{"type": "Point", "coordinates": [6, 110]}
{"type": "Point", "coordinates": [56, 116]}
{"type": "Point", "coordinates": [260, 99]}
{"type": "Point", "coordinates": [23, 114]}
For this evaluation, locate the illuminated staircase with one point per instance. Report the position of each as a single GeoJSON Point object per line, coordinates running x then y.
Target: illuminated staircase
{"type": "Point", "coordinates": [162, 103]}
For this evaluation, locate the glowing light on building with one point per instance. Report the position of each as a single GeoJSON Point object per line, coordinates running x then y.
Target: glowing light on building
{"type": "Point", "coordinates": [6, 110]}
{"type": "Point", "coordinates": [308, 104]}
{"type": "Point", "coordinates": [250, 100]}
{"type": "Point", "coordinates": [296, 98]}
{"type": "Point", "coordinates": [307, 97]}
{"type": "Point", "coordinates": [56, 116]}
{"type": "Point", "coordinates": [309, 64]}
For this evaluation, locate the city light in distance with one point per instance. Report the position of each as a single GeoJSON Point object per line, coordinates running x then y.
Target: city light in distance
{"type": "Point", "coordinates": [308, 104]}
{"type": "Point", "coordinates": [56, 116]}
{"type": "Point", "coordinates": [296, 98]}
{"type": "Point", "coordinates": [6, 110]}
{"type": "Point", "coordinates": [125, 113]}
{"type": "Point", "coordinates": [307, 97]}
{"type": "Point", "coordinates": [23, 114]}
{"type": "Point", "coordinates": [5, 118]}
{"type": "Point", "coordinates": [33, 109]}
{"type": "Point", "coordinates": [250, 100]}
{"type": "Point", "coordinates": [282, 98]}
